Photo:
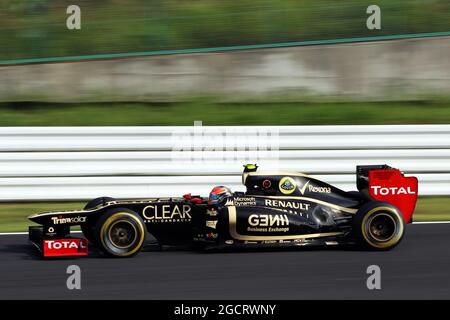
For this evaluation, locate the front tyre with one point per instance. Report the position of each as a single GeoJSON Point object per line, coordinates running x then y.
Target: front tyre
{"type": "Point", "coordinates": [378, 226]}
{"type": "Point", "coordinates": [120, 233]}
{"type": "Point", "coordinates": [88, 229]}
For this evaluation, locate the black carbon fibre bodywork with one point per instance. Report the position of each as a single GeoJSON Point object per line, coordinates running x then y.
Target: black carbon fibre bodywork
{"type": "Point", "coordinates": [276, 210]}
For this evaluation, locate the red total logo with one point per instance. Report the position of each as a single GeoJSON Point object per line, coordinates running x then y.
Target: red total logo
{"type": "Point", "coordinates": [384, 191]}
{"type": "Point", "coordinates": [64, 244]}
{"type": "Point", "coordinates": [65, 247]}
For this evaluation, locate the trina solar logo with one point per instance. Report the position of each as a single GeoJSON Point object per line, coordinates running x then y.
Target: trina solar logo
{"type": "Point", "coordinates": [59, 220]}
{"type": "Point", "coordinates": [384, 191]}
{"type": "Point", "coordinates": [167, 213]}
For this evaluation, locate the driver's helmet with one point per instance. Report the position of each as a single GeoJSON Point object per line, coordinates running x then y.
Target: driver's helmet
{"type": "Point", "coordinates": [218, 194]}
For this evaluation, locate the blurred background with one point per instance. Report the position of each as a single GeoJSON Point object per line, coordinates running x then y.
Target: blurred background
{"type": "Point", "coordinates": [34, 28]}
{"type": "Point", "coordinates": [265, 62]}
{"type": "Point", "coordinates": [49, 72]}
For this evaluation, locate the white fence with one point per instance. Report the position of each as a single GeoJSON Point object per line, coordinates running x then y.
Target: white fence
{"type": "Point", "coordinates": [78, 163]}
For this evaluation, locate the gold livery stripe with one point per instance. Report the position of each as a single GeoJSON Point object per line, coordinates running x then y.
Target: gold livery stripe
{"type": "Point", "coordinates": [108, 204]}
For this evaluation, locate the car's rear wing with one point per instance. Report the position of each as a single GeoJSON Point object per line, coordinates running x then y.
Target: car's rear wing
{"type": "Point", "coordinates": [362, 175]}
{"type": "Point", "coordinates": [387, 184]}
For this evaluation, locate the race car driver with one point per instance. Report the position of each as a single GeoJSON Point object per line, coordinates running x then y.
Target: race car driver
{"type": "Point", "coordinates": [219, 194]}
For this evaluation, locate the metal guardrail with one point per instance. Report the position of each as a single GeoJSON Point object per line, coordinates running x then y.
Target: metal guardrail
{"type": "Point", "coordinates": [78, 163]}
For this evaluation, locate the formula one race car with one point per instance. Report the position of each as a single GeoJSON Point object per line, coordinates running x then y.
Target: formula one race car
{"type": "Point", "coordinates": [278, 209]}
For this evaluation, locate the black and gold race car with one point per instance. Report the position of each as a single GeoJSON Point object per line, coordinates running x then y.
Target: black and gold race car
{"type": "Point", "coordinates": [278, 209]}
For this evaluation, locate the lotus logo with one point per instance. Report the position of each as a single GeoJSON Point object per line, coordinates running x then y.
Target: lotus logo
{"type": "Point", "coordinates": [287, 185]}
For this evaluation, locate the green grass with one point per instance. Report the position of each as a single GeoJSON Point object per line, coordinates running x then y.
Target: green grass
{"type": "Point", "coordinates": [13, 216]}
{"type": "Point", "coordinates": [432, 209]}
{"type": "Point", "coordinates": [213, 113]}
{"type": "Point", "coordinates": [36, 29]}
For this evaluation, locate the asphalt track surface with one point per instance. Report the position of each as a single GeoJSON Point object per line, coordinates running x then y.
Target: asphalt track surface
{"type": "Point", "coordinates": [419, 268]}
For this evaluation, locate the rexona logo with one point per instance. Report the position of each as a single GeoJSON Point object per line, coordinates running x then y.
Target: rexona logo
{"type": "Point", "coordinates": [384, 191]}
{"type": "Point", "coordinates": [319, 189]}
{"type": "Point", "coordinates": [167, 213]}
{"type": "Point", "coordinates": [287, 185]}
{"type": "Point", "coordinates": [315, 189]}
{"type": "Point", "coordinates": [268, 223]}
{"type": "Point", "coordinates": [59, 220]}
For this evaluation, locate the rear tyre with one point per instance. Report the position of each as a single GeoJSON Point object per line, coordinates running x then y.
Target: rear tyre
{"type": "Point", "coordinates": [88, 229]}
{"type": "Point", "coordinates": [120, 232]}
{"type": "Point", "coordinates": [378, 226]}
